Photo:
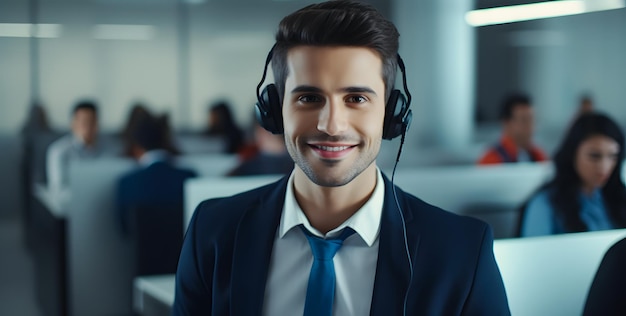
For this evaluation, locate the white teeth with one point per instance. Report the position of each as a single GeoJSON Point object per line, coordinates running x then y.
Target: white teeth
{"type": "Point", "coordinates": [329, 148]}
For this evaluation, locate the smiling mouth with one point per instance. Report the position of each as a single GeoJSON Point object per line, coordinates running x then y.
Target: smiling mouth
{"type": "Point", "coordinates": [328, 152]}
{"type": "Point", "coordinates": [331, 148]}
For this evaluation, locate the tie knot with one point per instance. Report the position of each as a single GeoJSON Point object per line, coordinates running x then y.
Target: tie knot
{"type": "Point", "coordinates": [325, 249]}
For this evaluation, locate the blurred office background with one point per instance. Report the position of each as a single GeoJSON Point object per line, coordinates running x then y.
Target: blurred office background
{"type": "Point", "coordinates": [180, 56]}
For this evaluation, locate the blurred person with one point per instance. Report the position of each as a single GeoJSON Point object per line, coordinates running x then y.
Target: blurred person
{"type": "Point", "coordinates": [587, 192]}
{"type": "Point", "coordinates": [335, 237]}
{"type": "Point", "coordinates": [222, 124]}
{"type": "Point", "coordinates": [36, 121]}
{"type": "Point", "coordinates": [137, 112]}
{"type": "Point", "coordinates": [157, 182]}
{"type": "Point", "coordinates": [270, 155]}
{"type": "Point", "coordinates": [82, 143]}
{"type": "Point", "coordinates": [36, 136]}
{"type": "Point", "coordinates": [586, 105]}
{"type": "Point", "coordinates": [515, 145]}
{"type": "Point", "coordinates": [170, 144]}
{"type": "Point", "coordinates": [607, 294]}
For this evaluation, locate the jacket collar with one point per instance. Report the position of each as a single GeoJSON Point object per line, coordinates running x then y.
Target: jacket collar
{"type": "Point", "coordinates": [259, 226]}
{"type": "Point", "coordinates": [392, 270]}
{"type": "Point", "coordinates": [251, 263]}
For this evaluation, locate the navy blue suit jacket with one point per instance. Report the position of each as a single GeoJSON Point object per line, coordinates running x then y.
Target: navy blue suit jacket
{"type": "Point", "coordinates": [157, 185]}
{"type": "Point", "coordinates": [225, 258]}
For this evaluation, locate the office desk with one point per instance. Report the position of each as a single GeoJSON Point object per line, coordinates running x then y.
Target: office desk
{"type": "Point", "coordinates": [153, 295]}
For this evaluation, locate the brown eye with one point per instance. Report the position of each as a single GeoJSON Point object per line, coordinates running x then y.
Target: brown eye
{"type": "Point", "coordinates": [595, 156]}
{"type": "Point", "coordinates": [309, 98]}
{"type": "Point", "coordinates": [356, 99]}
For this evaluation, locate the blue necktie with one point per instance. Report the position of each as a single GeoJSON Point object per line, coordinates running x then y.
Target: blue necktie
{"type": "Point", "coordinates": [320, 291]}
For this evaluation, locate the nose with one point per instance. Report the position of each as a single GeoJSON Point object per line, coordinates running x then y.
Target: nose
{"type": "Point", "coordinates": [333, 118]}
{"type": "Point", "coordinates": [606, 165]}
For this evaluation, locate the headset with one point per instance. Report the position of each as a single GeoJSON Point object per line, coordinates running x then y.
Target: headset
{"type": "Point", "coordinates": [398, 117]}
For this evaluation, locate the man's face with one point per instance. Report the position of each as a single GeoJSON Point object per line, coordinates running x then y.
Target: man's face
{"type": "Point", "coordinates": [85, 125]}
{"type": "Point", "coordinates": [520, 126]}
{"type": "Point", "coordinates": [333, 110]}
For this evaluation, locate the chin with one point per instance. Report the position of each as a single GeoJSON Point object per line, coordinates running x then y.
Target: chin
{"type": "Point", "coordinates": [329, 181]}
{"type": "Point", "coordinates": [328, 178]}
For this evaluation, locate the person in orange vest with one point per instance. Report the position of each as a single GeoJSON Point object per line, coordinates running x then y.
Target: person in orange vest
{"type": "Point", "coordinates": [517, 130]}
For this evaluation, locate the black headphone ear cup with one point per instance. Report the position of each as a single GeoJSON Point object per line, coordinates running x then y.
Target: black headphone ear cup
{"type": "Point", "coordinates": [269, 110]}
{"type": "Point", "coordinates": [395, 109]}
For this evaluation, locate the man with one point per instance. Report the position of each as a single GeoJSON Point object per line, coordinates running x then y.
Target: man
{"type": "Point", "coordinates": [157, 183]}
{"type": "Point", "coordinates": [150, 199]}
{"type": "Point", "coordinates": [516, 144]}
{"type": "Point", "coordinates": [81, 144]}
{"type": "Point", "coordinates": [269, 155]}
{"type": "Point", "coordinates": [253, 253]}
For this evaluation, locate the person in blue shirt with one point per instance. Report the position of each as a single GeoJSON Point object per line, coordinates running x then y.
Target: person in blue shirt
{"type": "Point", "coordinates": [587, 192]}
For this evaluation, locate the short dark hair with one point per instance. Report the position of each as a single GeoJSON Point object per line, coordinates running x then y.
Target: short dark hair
{"type": "Point", "coordinates": [149, 133]}
{"type": "Point", "coordinates": [85, 105]}
{"type": "Point", "coordinates": [510, 102]}
{"type": "Point", "coordinates": [337, 23]}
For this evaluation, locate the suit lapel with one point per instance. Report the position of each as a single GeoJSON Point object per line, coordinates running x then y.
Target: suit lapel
{"type": "Point", "coordinates": [253, 245]}
{"type": "Point", "coordinates": [392, 270]}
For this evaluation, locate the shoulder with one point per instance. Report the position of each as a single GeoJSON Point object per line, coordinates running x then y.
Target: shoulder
{"type": "Point", "coordinates": [456, 245]}
{"type": "Point", "coordinates": [60, 145]}
{"type": "Point", "coordinates": [539, 153]}
{"type": "Point", "coordinates": [181, 170]}
{"type": "Point", "coordinates": [541, 199]}
{"type": "Point", "coordinates": [130, 176]}
{"type": "Point", "coordinates": [538, 216]}
{"type": "Point", "coordinates": [189, 173]}
{"type": "Point", "coordinates": [491, 156]}
{"type": "Point", "coordinates": [438, 224]}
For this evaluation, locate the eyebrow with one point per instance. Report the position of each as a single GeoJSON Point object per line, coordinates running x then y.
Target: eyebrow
{"type": "Point", "coordinates": [305, 88]}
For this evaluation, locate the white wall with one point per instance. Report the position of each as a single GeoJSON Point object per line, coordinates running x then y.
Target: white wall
{"type": "Point", "coordinates": [228, 42]}
{"type": "Point", "coordinates": [14, 69]}
{"type": "Point", "coordinates": [555, 61]}
{"type": "Point", "coordinates": [221, 55]}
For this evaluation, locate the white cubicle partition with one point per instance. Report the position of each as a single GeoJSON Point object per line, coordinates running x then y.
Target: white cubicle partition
{"type": "Point", "coordinates": [455, 188]}
{"type": "Point", "coordinates": [100, 259]}
{"type": "Point", "coordinates": [551, 275]}
{"type": "Point", "coordinates": [209, 165]}
{"type": "Point", "coordinates": [200, 189]}
{"type": "Point", "coordinates": [490, 193]}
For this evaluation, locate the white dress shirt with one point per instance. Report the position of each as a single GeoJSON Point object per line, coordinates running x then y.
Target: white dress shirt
{"type": "Point", "coordinates": [355, 262]}
{"type": "Point", "coordinates": [58, 157]}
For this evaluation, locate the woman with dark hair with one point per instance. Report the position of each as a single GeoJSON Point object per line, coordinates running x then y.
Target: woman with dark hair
{"type": "Point", "coordinates": [587, 192]}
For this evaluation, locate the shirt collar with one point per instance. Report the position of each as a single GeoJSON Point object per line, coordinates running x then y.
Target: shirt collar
{"type": "Point", "coordinates": [365, 222]}
{"type": "Point", "coordinates": [153, 156]}
{"type": "Point", "coordinates": [80, 145]}
{"type": "Point", "coordinates": [596, 195]}
{"type": "Point", "coordinates": [509, 145]}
